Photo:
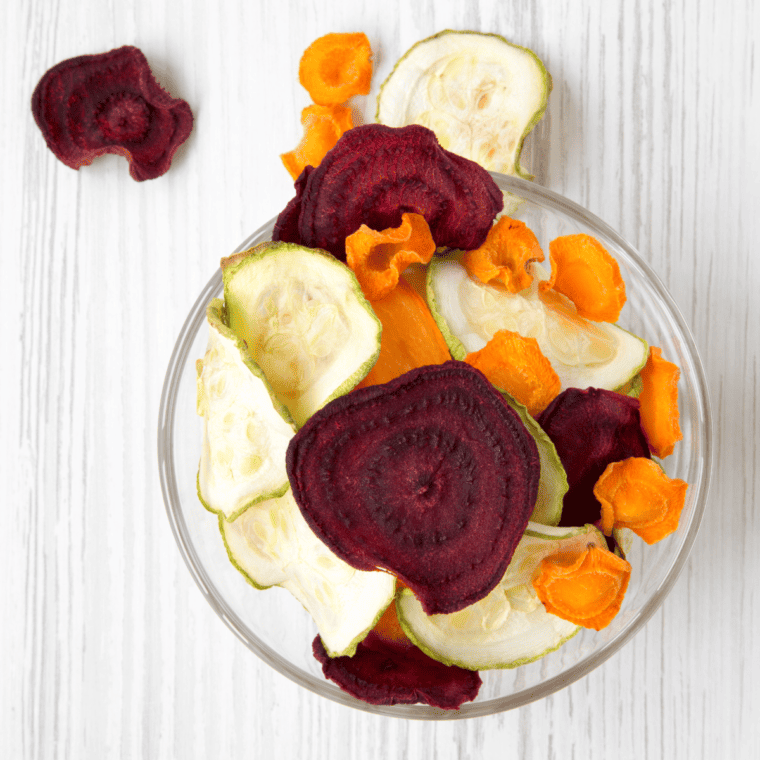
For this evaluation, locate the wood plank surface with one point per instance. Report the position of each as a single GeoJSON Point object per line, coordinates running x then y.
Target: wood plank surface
{"type": "Point", "coordinates": [110, 651]}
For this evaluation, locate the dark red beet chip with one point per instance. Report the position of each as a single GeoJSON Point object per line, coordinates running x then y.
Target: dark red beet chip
{"type": "Point", "coordinates": [431, 476]}
{"type": "Point", "coordinates": [286, 227]}
{"type": "Point", "coordinates": [386, 672]}
{"type": "Point", "coordinates": [590, 429]}
{"type": "Point", "coordinates": [376, 173]}
{"type": "Point", "coordinates": [110, 103]}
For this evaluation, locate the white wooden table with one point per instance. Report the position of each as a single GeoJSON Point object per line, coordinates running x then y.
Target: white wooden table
{"type": "Point", "coordinates": [109, 649]}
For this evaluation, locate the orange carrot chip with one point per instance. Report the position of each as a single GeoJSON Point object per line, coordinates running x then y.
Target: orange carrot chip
{"type": "Point", "coordinates": [515, 364]}
{"type": "Point", "coordinates": [336, 67]}
{"type": "Point", "coordinates": [659, 403]}
{"type": "Point", "coordinates": [588, 275]}
{"type": "Point", "coordinates": [410, 338]}
{"type": "Point", "coordinates": [587, 589]}
{"type": "Point", "coordinates": [378, 258]}
{"type": "Point", "coordinates": [635, 493]}
{"type": "Point", "coordinates": [504, 256]}
{"type": "Point", "coordinates": [323, 126]}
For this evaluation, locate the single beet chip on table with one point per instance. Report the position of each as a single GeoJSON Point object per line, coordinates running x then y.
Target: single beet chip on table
{"type": "Point", "coordinates": [386, 672]}
{"type": "Point", "coordinates": [431, 476]}
{"type": "Point", "coordinates": [110, 103]}
{"type": "Point", "coordinates": [376, 173]}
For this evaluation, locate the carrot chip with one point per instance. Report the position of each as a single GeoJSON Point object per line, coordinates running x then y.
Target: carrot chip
{"type": "Point", "coordinates": [588, 275]}
{"type": "Point", "coordinates": [587, 589]}
{"type": "Point", "coordinates": [504, 256]}
{"type": "Point", "coordinates": [378, 258]}
{"type": "Point", "coordinates": [515, 364]}
{"type": "Point", "coordinates": [636, 493]}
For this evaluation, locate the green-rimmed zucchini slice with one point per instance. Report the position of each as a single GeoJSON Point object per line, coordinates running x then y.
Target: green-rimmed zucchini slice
{"type": "Point", "coordinates": [272, 545]}
{"type": "Point", "coordinates": [583, 353]}
{"type": "Point", "coordinates": [246, 430]}
{"type": "Point", "coordinates": [306, 323]}
{"type": "Point", "coordinates": [480, 94]}
{"type": "Point", "coordinates": [552, 484]}
{"type": "Point", "coordinates": [509, 627]}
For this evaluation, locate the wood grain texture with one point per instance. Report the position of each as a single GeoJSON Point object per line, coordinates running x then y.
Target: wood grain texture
{"type": "Point", "coordinates": [110, 650]}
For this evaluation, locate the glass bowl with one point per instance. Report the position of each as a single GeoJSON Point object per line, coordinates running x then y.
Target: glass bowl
{"type": "Point", "coordinates": [274, 625]}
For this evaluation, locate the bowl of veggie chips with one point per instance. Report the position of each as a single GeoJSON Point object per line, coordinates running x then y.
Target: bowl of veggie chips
{"type": "Point", "coordinates": [331, 472]}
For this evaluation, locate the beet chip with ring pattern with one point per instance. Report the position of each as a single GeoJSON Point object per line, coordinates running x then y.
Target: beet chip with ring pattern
{"type": "Point", "coordinates": [110, 103]}
{"type": "Point", "coordinates": [374, 174]}
{"type": "Point", "coordinates": [431, 476]}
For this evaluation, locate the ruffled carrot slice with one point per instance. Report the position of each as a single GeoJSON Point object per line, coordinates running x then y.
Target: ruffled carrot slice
{"type": "Point", "coordinates": [585, 588]}
{"type": "Point", "coordinates": [659, 403]}
{"type": "Point", "coordinates": [410, 336]}
{"type": "Point", "coordinates": [378, 258]}
{"type": "Point", "coordinates": [635, 493]}
{"type": "Point", "coordinates": [323, 126]}
{"type": "Point", "coordinates": [515, 364]}
{"type": "Point", "coordinates": [588, 275]}
{"type": "Point", "coordinates": [336, 67]}
{"type": "Point", "coordinates": [504, 256]}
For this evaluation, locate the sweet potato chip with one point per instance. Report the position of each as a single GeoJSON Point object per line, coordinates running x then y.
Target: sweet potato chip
{"type": "Point", "coordinates": [431, 476]}
{"type": "Point", "coordinates": [376, 173]}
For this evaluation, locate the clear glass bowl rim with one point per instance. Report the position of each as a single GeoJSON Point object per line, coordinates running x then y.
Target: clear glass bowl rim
{"type": "Point", "coordinates": [167, 407]}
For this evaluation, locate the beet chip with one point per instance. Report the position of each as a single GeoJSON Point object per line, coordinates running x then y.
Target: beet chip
{"type": "Point", "coordinates": [590, 429]}
{"type": "Point", "coordinates": [386, 672]}
{"type": "Point", "coordinates": [376, 173]}
{"type": "Point", "coordinates": [110, 103]}
{"type": "Point", "coordinates": [431, 476]}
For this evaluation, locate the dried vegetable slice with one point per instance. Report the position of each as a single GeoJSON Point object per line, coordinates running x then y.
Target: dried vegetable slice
{"type": "Point", "coordinates": [305, 321]}
{"type": "Point", "coordinates": [584, 271]}
{"type": "Point", "coordinates": [246, 430]}
{"type": "Point", "coordinates": [378, 258]}
{"type": "Point", "coordinates": [510, 627]}
{"type": "Point", "coordinates": [659, 403]}
{"type": "Point", "coordinates": [552, 485]}
{"type": "Point", "coordinates": [516, 365]}
{"type": "Point", "coordinates": [271, 544]}
{"type": "Point", "coordinates": [591, 428]}
{"type": "Point", "coordinates": [431, 476]}
{"type": "Point", "coordinates": [322, 125]}
{"type": "Point", "coordinates": [374, 174]}
{"type": "Point", "coordinates": [410, 337]}
{"type": "Point", "coordinates": [636, 493]}
{"type": "Point", "coordinates": [110, 103]}
{"type": "Point", "coordinates": [336, 67]}
{"type": "Point", "coordinates": [582, 352]}
{"type": "Point", "coordinates": [480, 94]}
{"type": "Point", "coordinates": [384, 672]}
{"type": "Point", "coordinates": [632, 387]}
{"type": "Point", "coordinates": [505, 255]}
{"type": "Point", "coordinates": [586, 588]}
{"type": "Point", "coordinates": [388, 626]}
